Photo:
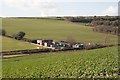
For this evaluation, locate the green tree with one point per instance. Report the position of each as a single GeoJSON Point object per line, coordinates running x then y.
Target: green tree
{"type": "Point", "coordinates": [2, 32]}
{"type": "Point", "coordinates": [19, 35]}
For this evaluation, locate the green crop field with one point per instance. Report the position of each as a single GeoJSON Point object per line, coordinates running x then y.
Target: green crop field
{"type": "Point", "coordinates": [10, 44]}
{"type": "Point", "coordinates": [54, 29]}
{"type": "Point", "coordinates": [98, 63]}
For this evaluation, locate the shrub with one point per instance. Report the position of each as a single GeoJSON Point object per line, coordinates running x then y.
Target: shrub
{"type": "Point", "coordinates": [91, 46]}
{"type": "Point", "coordinates": [19, 35]}
{"type": "Point", "coordinates": [2, 32]}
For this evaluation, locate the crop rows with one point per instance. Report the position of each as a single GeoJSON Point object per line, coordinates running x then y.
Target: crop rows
{"type": "Point", "coordinates": [99, 63]}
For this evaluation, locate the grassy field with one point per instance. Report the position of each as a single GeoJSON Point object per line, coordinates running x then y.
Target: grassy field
{"type": "Point", "coordinates": [87, 63]}
{"type": "Point", "coordinates": [54, 29]}
{"type": "Point", "coordinates": [10, 44]}
{"type": "Point", "coordinates": [98, 63]}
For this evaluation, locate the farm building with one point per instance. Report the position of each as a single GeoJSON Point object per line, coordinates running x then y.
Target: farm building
{"type": "Point", "coordinates": [45, 42]}
{"type": "Point", "coordinates": [52, 44]}
{"type": "Point", "coordinates": [59, 44]}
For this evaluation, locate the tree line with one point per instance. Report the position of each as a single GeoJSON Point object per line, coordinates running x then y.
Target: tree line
{"type": "Point", "coordinates": [18, 36]}
{"type": "Point", "coordinates": [106, 24]}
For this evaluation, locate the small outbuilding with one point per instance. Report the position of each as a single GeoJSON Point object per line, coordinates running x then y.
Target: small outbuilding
{"type": "Point", "coordinates": [45, 42]}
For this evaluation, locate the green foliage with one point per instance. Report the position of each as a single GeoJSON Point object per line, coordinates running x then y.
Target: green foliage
{"type": "Point", "coordinates": [2, 32]}
{"type": "Point", "coordinates": [18, 35]}
{"type": "Point", "coordinates": [115, 23]}
{"type": "Point", "coordinates": [98, 63]}
{"type": "Point", "coordinates": [107, 25]}
{"type": "Point", "coordinates": [80, 19]}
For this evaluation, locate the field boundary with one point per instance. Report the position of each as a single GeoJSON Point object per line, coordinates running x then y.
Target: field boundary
{"type": "Point", "coordinates": [33, 51]}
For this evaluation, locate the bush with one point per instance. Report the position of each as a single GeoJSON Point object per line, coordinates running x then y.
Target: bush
{"type": "Point", "coordinates": [18, 35]}
{"type": "Point", "coordinates": [2, 32]}
{"type": "Point", "coordinates": [91, 46]}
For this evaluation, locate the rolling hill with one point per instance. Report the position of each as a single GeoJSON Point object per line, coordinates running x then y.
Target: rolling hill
{"type": "Point", "coordinates": [54, 29]}
{"type": "Point", "coordinates": [11, 44]}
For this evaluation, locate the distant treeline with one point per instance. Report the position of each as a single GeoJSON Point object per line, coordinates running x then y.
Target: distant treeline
{"type": "Point", "coordinates": [90, 19]}
{"type": "Point", "coordinates": [80, 19]}
{"type": "Point", "coordinates": [106, 21]}
{"type": "Point", "coordinates": [53, 18]}
{"type": "Point", "coordinates": [107, 29]}
{"type": "Point", "coordinates": [85, 19]}
{"type": "Point", "coordinates": [106, 24]}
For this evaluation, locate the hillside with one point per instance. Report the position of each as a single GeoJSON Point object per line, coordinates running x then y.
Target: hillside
{"type": "Point", "coordinates": [10, 44]}
{"type": "Point", "coordinates": [54, 29]}
{"type": "Point", "coordinates": [98, 63]}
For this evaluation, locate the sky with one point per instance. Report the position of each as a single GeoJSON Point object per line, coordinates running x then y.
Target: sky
{"type": "Point", "coordinates": [42, 8]}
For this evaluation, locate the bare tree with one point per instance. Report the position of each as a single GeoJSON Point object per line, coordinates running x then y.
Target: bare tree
{"type": "Point", "coordinates": [106, 40]}
{"type": "Point", "coordinates": [71, 40]}
{"type": "Point", "coordinates": [2, 32]}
